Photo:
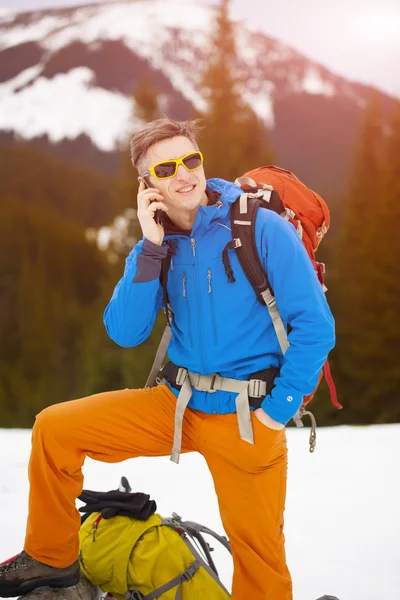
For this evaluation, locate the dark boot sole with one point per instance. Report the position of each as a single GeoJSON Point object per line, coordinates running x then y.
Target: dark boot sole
{"type": "Point", "coordinates": [29, 586]}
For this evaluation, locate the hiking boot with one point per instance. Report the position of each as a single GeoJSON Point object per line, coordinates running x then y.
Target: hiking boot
{"type": "Point", "coordinates": [22, 573]}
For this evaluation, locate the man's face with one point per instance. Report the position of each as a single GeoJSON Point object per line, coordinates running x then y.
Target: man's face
{"type": "Point", "coordinates": [186, 189]}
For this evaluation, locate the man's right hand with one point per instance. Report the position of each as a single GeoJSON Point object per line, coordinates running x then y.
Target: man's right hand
{"type": "Point", "coordinates": [148, 201]}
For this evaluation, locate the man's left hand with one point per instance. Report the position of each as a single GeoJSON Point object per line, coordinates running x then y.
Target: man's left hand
{"type": "Point", "coordinates": [267, 421]}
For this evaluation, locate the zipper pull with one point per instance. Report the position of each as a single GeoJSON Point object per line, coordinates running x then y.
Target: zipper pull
{"type": "Point", "coordinates": [193, 243]}
{"type": "Point", "coordinates": [171, 266]}
{"type": "Point", "coordinates": [184, 285]}
{"type": "Point", "coordinates": [209, 280]}
{"type": "Point", "coordinates": [95, 526]}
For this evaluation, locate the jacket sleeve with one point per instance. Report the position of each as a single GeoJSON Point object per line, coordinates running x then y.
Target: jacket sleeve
{"type": "Point", "coordinates": [131, 313]}
{"type": "Point", "coordinates": [302, 304]}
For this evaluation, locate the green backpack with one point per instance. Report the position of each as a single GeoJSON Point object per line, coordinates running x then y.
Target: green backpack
{"type": "Point", "coordinates": [160, 558]}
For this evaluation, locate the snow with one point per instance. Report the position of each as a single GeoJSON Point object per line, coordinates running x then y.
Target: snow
{"type": "Point", "coordinates": [173, 41]}
{"type": "Point", "coordinates": [35, 31]}
{"type": "Point", "coordinates": [139, 22]}
{"type": "Point", "coordinates": [342, 521]}
{"type": "Point", "coordinates": [262, 103]}
{"type": "Point", "coordinates": [313, 83]}
{"type": "Point", "coordinates": [6, 15]}
{"type": "Point", "coordinates": [67, 105]}
{"type": "Point", "coordinates": [20, 80]}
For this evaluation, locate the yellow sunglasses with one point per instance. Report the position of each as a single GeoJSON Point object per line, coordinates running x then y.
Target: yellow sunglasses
{"type": "Point", "coordinates": [168, 168]}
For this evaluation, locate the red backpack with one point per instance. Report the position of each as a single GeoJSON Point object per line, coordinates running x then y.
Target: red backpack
{"type": "Point", "coordinates": [281, 191]}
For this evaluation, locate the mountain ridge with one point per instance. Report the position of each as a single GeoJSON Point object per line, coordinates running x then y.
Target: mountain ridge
{"type": "Point", "coordinates": [71, 72]}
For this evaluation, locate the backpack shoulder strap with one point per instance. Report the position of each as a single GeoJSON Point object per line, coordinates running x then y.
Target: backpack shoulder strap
{"type": "Point", "coordinates": [194, 528]}
{"type": "Point", "coordinates": [165, 266]}
{"type": "Point", "coordinates": [243, 220]}
{"type": "Point", "coordinates": [166, 337]}
{"type": "Point", "coordinates": [175, 582]}
{"type": "Point", "coordinates": [159, 357]}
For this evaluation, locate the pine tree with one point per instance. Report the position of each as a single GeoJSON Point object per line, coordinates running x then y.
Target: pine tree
{"type": "Point", "coordinates": [145, 106]}
{"type": "Point", "coordinates": [146, 98]}
{"type": "Point", "coordinates": [234, 138]}
{"type": "Point", "coordinates": [50, 280]}
{"type": "Point", "coordinates": [361, 283]}
{"type": "Point", "coordinates": [387, 291]}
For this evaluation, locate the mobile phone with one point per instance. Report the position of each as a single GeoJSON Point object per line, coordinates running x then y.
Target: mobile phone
{"type": "Point", "coordinates": [159, 213]}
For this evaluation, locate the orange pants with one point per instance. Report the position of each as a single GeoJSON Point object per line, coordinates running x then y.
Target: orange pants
{"type": "Point", "coordinates": [250, 480]}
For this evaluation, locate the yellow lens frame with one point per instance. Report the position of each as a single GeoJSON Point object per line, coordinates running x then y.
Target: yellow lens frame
{"type": "Point", "coordinates": [177, 161]}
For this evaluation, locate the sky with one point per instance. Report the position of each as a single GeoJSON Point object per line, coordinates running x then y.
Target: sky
{"type": "Point", "coordinates": [342, 520]}
{"type": "Point", "coordinates": [358, 39]}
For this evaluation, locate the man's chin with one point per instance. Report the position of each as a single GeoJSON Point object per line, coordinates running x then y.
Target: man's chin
{"type": "Point", "coordinates": [189, 201]}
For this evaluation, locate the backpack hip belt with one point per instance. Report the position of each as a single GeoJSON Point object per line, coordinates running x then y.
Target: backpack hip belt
{"type": "Point", "coordinates": [250, 393]}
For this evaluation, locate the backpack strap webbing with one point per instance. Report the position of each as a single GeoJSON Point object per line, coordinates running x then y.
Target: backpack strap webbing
{"type": "Point", "coordinates": [243, 218]}
{"type": "Point", "coordinates": [193, 528]}
{"type": "Point", "coordinates": [159, 357]}
{"type": "Point", "coordinates": [243, 222]}
{"type": "Point", "coordinates": [176, 581]}
{"type": "Point", "coordinates": [165, 266]}
{"type": "Point", "coordinates": [166, 337]}
{"type": "Point", "coordinates": [190, 532]}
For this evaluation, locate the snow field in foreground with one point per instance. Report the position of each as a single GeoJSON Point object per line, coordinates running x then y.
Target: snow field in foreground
{"type": "Point", "coordinates": [342, 521]}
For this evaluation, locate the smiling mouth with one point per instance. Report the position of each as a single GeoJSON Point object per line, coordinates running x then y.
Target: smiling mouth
{"type": "Point", "coordinates": [186, 189]}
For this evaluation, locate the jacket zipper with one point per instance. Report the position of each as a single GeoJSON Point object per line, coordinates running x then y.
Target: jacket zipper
{"type": "Point", "coordinates": [200, 329]}
{"type": "Point", "coordinates": [184, 285]}
{"type": "Point", "coordinates": [213, 320]}
{"type": "Point", "coordinates": [184, 294]}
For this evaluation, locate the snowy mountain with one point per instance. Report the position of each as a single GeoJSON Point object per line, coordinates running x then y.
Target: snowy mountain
{"type": "Point", "coordinates": [342, 523]}
{"type": "Point", "coordinates": [67, 75]}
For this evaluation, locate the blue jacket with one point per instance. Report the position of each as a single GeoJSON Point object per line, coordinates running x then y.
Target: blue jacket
{"type": "Point", "coordinates": [221, 327]}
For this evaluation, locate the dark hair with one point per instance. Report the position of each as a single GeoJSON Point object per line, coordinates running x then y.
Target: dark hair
{"type": "Point", "coordinates": [158, 130]}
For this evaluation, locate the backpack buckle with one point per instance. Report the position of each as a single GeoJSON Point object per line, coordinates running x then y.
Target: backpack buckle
{"type": "Point", "coordinates": [189, 572]}
{"type": "Point", "coordinates": [257, 388]}
{"type": "Point", "coordinates": [180, 376]}
{"type": "Point", "coordinates": [236, 243]}
{"type": "Point", "coordinates": [205, 383]}
{"type": "Point", "coordinates": [288, 213]}
{"type": "Point", "coordinates": [262, 194]}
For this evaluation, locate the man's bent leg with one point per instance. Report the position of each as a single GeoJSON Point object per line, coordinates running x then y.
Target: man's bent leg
{"type": "Point", "coordinates": [250, 481]}
{"type": "Point", "coordinates": [110, 427]}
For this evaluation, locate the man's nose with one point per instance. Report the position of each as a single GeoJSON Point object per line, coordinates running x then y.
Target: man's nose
{"type": "Point", "coordinates": [182, 174]}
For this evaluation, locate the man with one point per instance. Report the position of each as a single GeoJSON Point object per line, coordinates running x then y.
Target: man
{"type": "Point", "coordinates": [218, 327]}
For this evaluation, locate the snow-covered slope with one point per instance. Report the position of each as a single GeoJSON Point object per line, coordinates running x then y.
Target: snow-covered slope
{"type": "Point", "coordinates": [49, 89]}
{"type": "Point", "coordinates": [342, 522]}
